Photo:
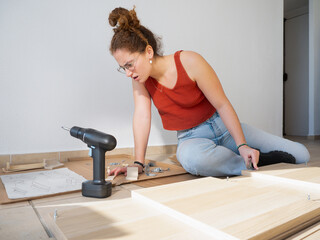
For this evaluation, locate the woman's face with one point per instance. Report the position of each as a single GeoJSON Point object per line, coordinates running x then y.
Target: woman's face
{"type": "Point", "coordinates": [135, 65]}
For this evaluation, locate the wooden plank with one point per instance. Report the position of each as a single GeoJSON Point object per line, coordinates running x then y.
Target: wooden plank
{"type": "Point", "coordinates": [298, 175]}
{"type": "Point", "coordinates": [272, 225]}
{"type": "Point", "coordinates": [121, 219]}
{"type": "Point", "coordinates": [46, 207]}
{"type": "Point", "coordinates": [311, 233]}
{"type": "Point", "coordinates": [260, 213]}
{"type": "Point", "coordinates": [20, 223]}
{"type": "Point", "coordinates": [190, 221]}
{"type": "Point", "coordinates": [166, 180]}
{"type": "Point", "coordinates": [14, 205]}
{"type": "Point", "coordinates": [240, 208]}
{"type": "Point", "coordinates": [22, 167]}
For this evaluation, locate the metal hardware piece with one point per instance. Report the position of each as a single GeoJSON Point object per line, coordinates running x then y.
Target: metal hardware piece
{"type": "Point", "coordinates": [55, 215]}
{"type": "Point", "coordinates": [147, 170]}
{"type": "Point", "coordinates": [159, 170]}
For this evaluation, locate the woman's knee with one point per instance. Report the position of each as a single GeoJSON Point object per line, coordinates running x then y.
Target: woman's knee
{"type": "Point", "coordinates": [192, 154]}
{"type": "Point", "coordinates": [301, 153]}
{"type": "Point", "coordinates": [203, 157]}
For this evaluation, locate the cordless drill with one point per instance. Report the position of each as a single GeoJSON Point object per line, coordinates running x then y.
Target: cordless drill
{"type": "Point", "coordinates": [99, 143]}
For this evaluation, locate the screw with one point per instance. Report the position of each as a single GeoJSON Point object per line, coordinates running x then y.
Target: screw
{"type": "Point", "coordinates": [55, 215]}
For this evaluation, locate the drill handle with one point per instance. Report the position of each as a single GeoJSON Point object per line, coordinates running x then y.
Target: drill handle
{"type": "Point", "coordinates": [98, 155]}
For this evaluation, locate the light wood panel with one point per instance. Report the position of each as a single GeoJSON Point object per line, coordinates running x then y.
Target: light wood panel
{"type": "Point", "coordinates": [166, 180]}
{"type": "Point", "coordinates": [72, 201]}
{"type": "Point", "coordinates": [20, 223]}
{"type": "Point", "coordinates": [299, 175]}
{"type": "Point", "coordinates": [121, 219]}
{"type": "Point", "coordinates": [234, 208]}
{"type": "Point", "coordinates": [311, 233]}
{"type": "Point", "coordinates": [219, 209]}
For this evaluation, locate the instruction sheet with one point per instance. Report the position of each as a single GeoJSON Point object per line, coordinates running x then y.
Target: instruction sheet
{"type": "Point", "coordinates": [41, 183]}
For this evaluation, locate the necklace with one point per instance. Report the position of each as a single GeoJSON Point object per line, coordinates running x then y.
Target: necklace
{"type": "Point", "coordinates": [156, 86]}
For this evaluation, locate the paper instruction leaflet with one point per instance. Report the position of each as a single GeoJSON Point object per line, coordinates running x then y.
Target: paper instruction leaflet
{"type": "Point", "coordinates": [41, 183]}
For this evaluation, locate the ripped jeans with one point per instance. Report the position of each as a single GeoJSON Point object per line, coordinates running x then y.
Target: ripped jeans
{"type": "Point", "coordinates": [209, 150]}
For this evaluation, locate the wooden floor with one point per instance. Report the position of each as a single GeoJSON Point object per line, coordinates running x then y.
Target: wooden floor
{"type": "Point", "coordinates": [31, 219]}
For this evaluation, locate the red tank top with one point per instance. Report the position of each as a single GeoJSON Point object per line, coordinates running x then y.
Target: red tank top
{"type": "Point", "coordinates": [182, 107]}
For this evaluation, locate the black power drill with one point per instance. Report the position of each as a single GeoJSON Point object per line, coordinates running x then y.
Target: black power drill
{"type": "Point", "coordinates": [99, 143]}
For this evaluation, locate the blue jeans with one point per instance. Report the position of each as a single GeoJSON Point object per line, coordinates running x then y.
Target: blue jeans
{"type": "Point", "coordinates": [209, 150]}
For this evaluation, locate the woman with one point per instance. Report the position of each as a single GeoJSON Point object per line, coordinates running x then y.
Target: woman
{"type": "Point", "coordinates": [190, 99]}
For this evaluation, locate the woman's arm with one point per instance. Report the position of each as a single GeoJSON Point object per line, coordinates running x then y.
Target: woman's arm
{"type": "Point", "coordinates": [141, 120]}
{"type": "Point", "coordinates": [207, 80]}
{"type": "Point", "coordinates": [141, 125]}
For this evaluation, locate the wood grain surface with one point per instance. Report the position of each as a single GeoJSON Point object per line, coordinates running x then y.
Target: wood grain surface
{"type": "Point", "coordinates": [245, 212]}
{"type": "Point", "coordinates": [121, 219]}
{"type": "Point", "coordinates": [299, 175]}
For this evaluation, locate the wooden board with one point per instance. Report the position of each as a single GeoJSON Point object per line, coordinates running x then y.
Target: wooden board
{"type": "Point", "coordinates": [214, 206]}
{"type": "Point", "coordinates": [20, 223]}
{"type": "Point", "coordinates": [121, 219]}
{"type": "Point", "coordinates": [211, 207]}
{"type": "Point", "coordinates": [166, 180]}
{"type": "Point", "coordinates": [299, 175]}
{"type": "Point", "coordinates": [84, 167]}
{"type": "Point", "coordinates": [311, 233]}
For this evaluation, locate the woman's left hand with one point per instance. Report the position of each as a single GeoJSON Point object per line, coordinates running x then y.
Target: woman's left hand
{"type": "Point", "coordinates": [250, 156]}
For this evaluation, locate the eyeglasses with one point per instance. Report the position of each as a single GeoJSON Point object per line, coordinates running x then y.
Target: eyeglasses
{"type": "Point", "coordinates": [128, 66]}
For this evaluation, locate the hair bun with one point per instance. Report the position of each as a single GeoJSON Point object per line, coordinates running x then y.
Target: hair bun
{"type": "Point", "coordinates": [129, 34]}
{"type": "Point", "coordinates": [122, 19]}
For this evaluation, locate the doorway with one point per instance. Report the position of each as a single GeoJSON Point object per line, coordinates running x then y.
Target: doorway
{"type": "Point", "coordinates": [296, 70]}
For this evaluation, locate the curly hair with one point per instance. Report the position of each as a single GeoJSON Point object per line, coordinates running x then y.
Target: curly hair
{"type": "Point", "coordinates": [130, 34]}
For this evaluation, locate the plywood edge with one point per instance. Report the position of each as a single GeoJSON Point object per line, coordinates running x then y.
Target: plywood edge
{"type": "Point", "coordinates": [276, 167]}
{"type": "Point", "coordinates": [300, 183]}
{"type": "Point", "coordinates": [312, 232]}
{"type": "Point", "coordinates": [203, 180]}
{"type": "Point", "coordinates": [54, 228]}
{"type": "Point", "coordinates": [166, 180]}
{"type": "Point", "coordinates": [293, 226]}
{"type": "Point", "coordinates": [205, 228]}
{"type": "Point", "coordinates": [123, 180]}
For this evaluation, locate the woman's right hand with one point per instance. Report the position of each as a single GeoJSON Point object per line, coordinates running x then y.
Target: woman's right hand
{"type": "Point", "coordinates": [250, 156]}
{"type": "Point", "coordinates": [118, 170]}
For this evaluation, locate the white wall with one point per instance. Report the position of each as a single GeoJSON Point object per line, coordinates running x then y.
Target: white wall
{"type": "Point", "coordinates": [55, 68]}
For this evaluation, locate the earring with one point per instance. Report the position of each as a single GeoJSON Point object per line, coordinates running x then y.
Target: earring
{"type": "Point", "coordinates": [150, 61]}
